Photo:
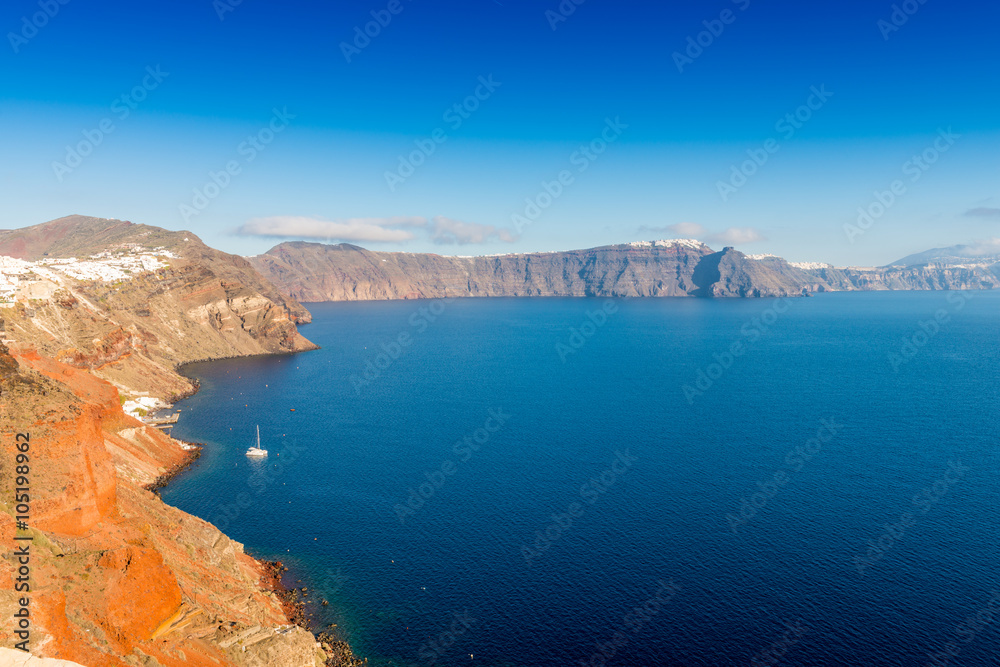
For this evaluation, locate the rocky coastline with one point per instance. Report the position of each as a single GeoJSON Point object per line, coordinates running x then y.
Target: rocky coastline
{"type": "Point", "coordinates": [338, 651]}
{"type": "Point", "coordinates": [121, 578]}
{"type": "Point", "coordinates": [113, 542]}
{"type": "Point", "coordinates": [292, 600]}
{"type": "Point", "coordinates": [193, 454]}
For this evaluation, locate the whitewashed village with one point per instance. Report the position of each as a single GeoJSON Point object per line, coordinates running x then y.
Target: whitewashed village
{"type": "Point", "coordinates": [27, 282]}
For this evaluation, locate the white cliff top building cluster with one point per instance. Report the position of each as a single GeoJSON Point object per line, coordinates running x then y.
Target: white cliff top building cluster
{"type": "Point", "coordinates": [110, 265]}
{"type": "Point", "coordinates": [8, 287]}
{"type": "Point", "coordinates": [11, 270]}
{"type": "Point", "coordinates": [121, 263]}
{"type": "Point", "coordinates": [141, 406]}
{"type": "Point", "coordinates": [810, 266]}
{"type": "Point", "coordinates": [667, 243]}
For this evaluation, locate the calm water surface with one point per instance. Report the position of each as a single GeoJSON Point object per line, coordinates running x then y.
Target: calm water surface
{"type": "Point", "coordinates": [504, 492]}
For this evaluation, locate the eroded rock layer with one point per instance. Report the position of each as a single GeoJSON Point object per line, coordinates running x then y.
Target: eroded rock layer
{"type": "Point", "coordinates": [117, 576]}
{"type": "Point", "coordinates": [134, 329]}
{"type": "Point", "coordinates": [320, 272]}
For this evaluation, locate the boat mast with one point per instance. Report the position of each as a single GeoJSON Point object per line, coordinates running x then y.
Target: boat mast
{"type": "Point", "coordinates": [258, 436]}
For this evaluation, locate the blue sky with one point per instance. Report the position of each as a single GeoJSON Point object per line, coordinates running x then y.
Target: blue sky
{"type": "Point", "coordinates": [309, 128]}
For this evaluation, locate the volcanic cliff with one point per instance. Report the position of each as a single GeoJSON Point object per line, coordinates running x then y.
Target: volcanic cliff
{"type": "Point", "coordinates": [93, 311]}
{"type": "Point", "coordinates": [320, 272]}
{"type": "Point", "coordinates": [344, 272]}
{"type": "Point", "coordinates": [135, 327]}
{"type": "Point", "coordinates": [117, 576]}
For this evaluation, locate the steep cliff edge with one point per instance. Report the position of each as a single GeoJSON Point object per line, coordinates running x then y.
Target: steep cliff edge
{"type": "Point", "coordinates": [934, 276]}
{"type": "Point", "coordinates": [320, 272]}
{"type": "Point", "coordinates": [93, 311]}
{"type": "Point", "coordinates": [118, 577]}
{"type": "Point", "coordinates": [131, 302]}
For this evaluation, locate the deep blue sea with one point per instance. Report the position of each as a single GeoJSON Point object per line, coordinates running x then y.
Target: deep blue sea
{"type": "Point", "coordinates": [545, 482]}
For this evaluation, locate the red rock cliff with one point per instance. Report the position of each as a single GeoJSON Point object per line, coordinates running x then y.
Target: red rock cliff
{"type": "Point", "coordinates": [118, 577]}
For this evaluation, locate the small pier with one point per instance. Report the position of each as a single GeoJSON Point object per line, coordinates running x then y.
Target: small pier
{"type": "Point", "coordinates": [164, 422]}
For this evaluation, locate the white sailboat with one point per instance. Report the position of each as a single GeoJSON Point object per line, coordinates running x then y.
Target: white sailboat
{"type": "Point", "coordinates": [257, 451]}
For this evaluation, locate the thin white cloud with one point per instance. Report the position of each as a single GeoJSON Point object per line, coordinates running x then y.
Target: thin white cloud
{"type": "Point", "coordinates": [350, 229]}
{"type": "Point", "coordinates": [736, 236]}
{"type": "Point", "coordinates": [440, 229]}
{"type": "Point", "coordinates": [983, 212]}
{"type": "Point", "coordinates": [686, 229]}
{"type": "Point", "coordinates": [448, 231]}
{"type": "Point", "coordinates": [983, 248]}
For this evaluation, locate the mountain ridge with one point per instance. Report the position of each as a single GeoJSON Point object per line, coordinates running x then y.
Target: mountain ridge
{"type": "Point", "coordinates": [680, 267]}
{"type": "Point", "coordinates": [980, 252]}
{"type": "Point", "coordinates": [344, 272]}
{"type": "Point", "coordinates": [133, 302]}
